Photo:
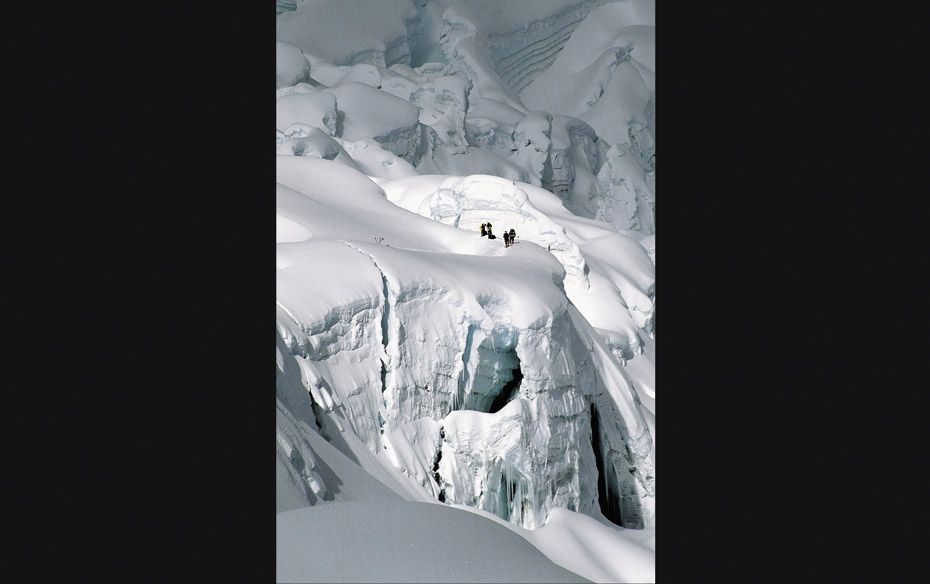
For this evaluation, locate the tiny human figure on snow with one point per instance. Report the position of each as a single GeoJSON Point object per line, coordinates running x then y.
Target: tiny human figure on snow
{"type": "Point", "coordinates": [490, 235]}
{"type": "Point", "coordinates": [507, 241]}
{"type": "Point", "coordinates": [513, 235]}
{"type": "Point", "coordinates": [484, 230]}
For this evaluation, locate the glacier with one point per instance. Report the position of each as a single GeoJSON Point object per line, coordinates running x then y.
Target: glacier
{"type": "Point", "coordinates": [419, 364]}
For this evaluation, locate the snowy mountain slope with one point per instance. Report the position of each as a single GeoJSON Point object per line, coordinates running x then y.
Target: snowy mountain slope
{"type": "Point", "coordinates": [571, 540]}
{"type": "Point", "coordinates": [605, 75]}
{"type": "Point", "coordinates": [414, 299]}
{"type": "Point", "coordinates": [480, 43]}
{"type": "Point", "coordinates": [590, 546]}
{"type": "Point", "coordinates": [600, 263]}
{"type": "Point", "coordinates": [317, 461]}
{"type": "Point", "coordinates": [341, 32]}
{"type": "Point", "coordinates": [576, 542]}
{"type": "Point", "coordinates": [476, 550]}
{"type": "Point", "coordinates": [418, 361]}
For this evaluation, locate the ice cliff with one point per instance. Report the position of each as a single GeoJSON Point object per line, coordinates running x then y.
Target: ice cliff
{"type": "Point", "coordinates": [515, 381]}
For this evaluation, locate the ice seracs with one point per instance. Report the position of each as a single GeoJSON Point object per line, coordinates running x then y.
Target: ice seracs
{"type": "Point", "coordinates": [419, 361]}
{"type": "Point", "coordinates": [424, 334]}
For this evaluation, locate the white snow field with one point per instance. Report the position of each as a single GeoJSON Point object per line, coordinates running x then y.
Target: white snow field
{"type": "Point", "coordinates": [450, 409]}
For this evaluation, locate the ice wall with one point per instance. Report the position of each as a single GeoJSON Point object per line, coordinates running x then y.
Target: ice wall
{"type": "Point", "coordinates": [516, 381]}
{"type": "Point", "coordinates": [464, 371]}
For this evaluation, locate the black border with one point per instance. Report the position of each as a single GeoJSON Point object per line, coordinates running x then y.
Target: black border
{"type": "Point", "coordinates": [138, 284]}
{"type": "Point", "coordinates": [141, 232]}
{"type": "Point", "coordinates": [794, 330]}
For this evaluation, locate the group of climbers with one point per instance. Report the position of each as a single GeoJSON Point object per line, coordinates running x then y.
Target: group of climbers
{"type": "Point", "coordinates": [509, 236]}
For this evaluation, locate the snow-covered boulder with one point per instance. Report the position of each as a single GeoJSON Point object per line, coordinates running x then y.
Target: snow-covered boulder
{"type": "Point", "coordinates": [365, 112]}
{"type": "Point", "coordinates": [299, 111]}
{"type": "Point", "coordinates": [291, 67]}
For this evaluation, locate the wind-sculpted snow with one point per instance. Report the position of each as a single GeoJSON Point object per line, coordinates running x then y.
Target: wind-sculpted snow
{"type": "Point", "coordinates": [466, 202]}
{"type": "Point", "coordinates": [609, 276]}
{"type": "Point", "coordinates": [521, 57]}
{"type": "Point", "coordinates": [375, 161]}
{"type": "Point", "coordinates": [414, 339]}
{"type": "Point", "coordinates": [315, 143]}
{"type": "Point", "coordinates": [365, 112]}
{"type": "Point", "coordinates": [442, 103]}
{"type": "Point", "coordinates": [605, 75]}
{"type": "Point", "coordinates": [474, 119]}
{"type": "Point", "coordinates": [292, 65]}
{"type": "Point", "coordinates": [381, 541]}
{"type": "Point", "coordinates": [304, 108]}
{"type": "Point", "coordinates": [353, 111]}
{"type": "Point", "coordinates": [576, 157]}
{"type": "Point", "coordinates": [419, 360]}
{"type": "Point", "coordinates": [333, 31]}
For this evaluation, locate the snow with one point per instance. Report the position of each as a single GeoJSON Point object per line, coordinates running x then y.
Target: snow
{"type": "Point", "coordinates": [372, 113]}
{"type": "Point", "coordinates": [405, 542]}
{"type": "Point", "coordinates": [492, 406]}
{"type": "Point", "coordinates": [596, 551]}
{"type": "Point", "coordinates": [375, 161]}
{"type": "Point", "coordinates": [291, 65]}
{"type": "Point", "coordinates": [442, 104]}
{"type": "Point", "coordinates": [588, 250]}
{"type": "Point", "coordinates": [309, 108]}
{"type": "Point", "coordinates": [590, 546]}
{"type": "Point", "coordinates": [340, 32]}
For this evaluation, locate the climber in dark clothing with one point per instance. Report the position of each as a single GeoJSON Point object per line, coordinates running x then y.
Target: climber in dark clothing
{"type": "Point", "coordinates": [484, 230]}
{"type": "Point", "coordinates": [513, 235]}
{"type": "Point", "coordinates": [490, 235]}
{"type": "Point", "coordinates": [507, 240]}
